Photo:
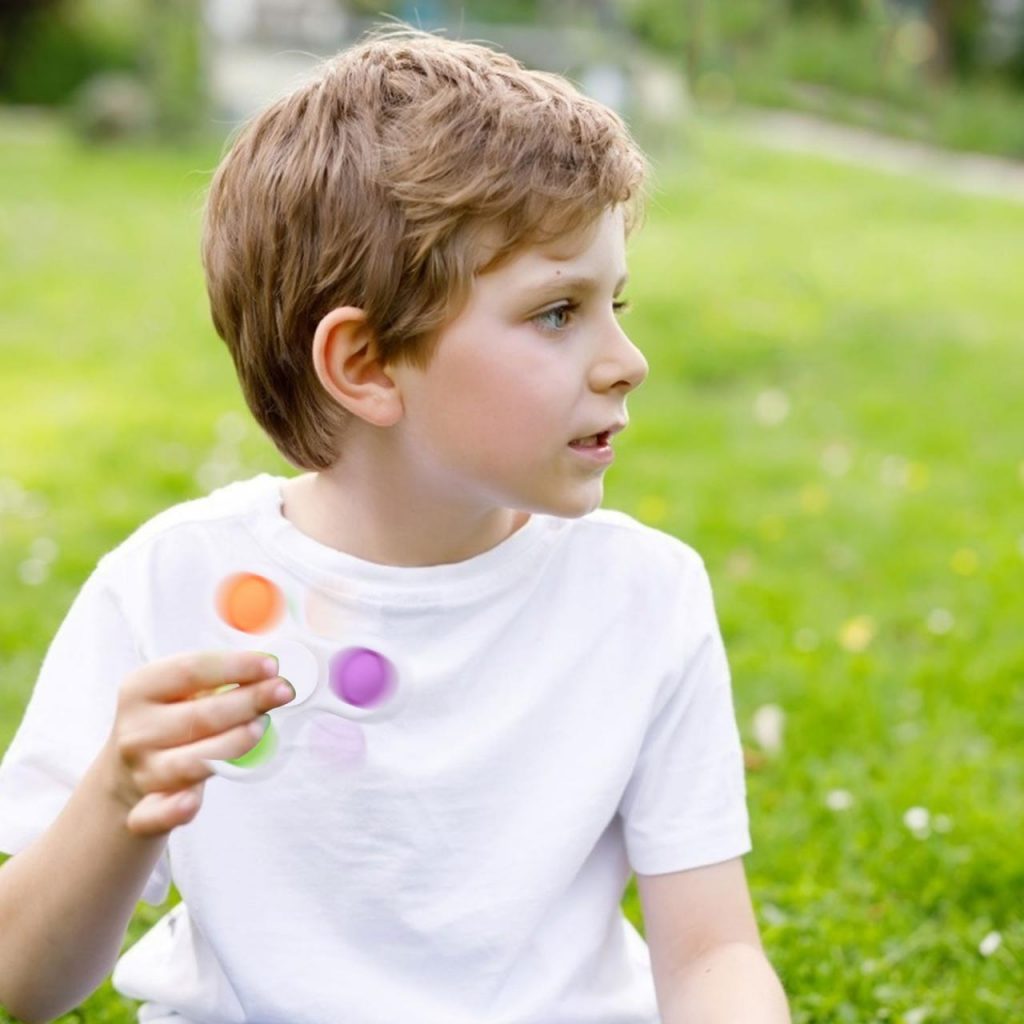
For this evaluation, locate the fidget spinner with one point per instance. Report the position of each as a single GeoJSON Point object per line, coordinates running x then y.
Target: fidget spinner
{"type": "Point", "coordinates": [342, 678]}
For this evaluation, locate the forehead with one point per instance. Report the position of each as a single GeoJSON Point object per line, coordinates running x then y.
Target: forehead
{"type": "Point", "coordinates": [598, 249]}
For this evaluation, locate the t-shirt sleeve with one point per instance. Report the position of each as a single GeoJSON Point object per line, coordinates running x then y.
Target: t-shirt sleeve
{"type": "Point", "coordinates": [68, 719]}
{"type": "Point", "coordinates": [685, 803]}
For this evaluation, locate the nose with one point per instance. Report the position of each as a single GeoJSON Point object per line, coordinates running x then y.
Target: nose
{"type": "Point", "coordinates": [620, 365]}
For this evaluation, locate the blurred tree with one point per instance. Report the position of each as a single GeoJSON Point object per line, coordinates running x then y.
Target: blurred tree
{"type": "Point", "coordinates": [172, 66]}
{"type": "Point", "coordinates": [705, 33]}
{"type": "Point", "coordinates": [1015, 48]}
{"type": "Point", "coordinates": [15, 19]}
{"type": "Point", "coordinates": [700, 31]}
{"type": "Point", "coordinates": [501, 10]}
{"type": "Point", "coordinates": [48, 48]}
{"type": "Point", "coordinates": [849, 10]}
{"type": "Point", "coordinates": [696, 28]}
{"type": "Point", "coordinates": [958, 25]}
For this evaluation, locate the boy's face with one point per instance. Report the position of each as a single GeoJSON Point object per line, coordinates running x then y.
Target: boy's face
{"type": "Point", "coordinates": [536, 360]}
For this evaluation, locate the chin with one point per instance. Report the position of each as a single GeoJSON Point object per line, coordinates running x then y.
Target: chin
{"type": "Point", "coordinates": [576, 506]}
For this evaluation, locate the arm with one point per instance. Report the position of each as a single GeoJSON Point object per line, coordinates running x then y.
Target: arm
{"type": "Point", "coordinates": [705, 949]}
{"type": "Point", "coordinates": [66, 899]}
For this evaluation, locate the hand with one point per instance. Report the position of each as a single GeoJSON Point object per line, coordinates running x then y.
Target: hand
{"type": "Point", "coordinates": [172, 717]}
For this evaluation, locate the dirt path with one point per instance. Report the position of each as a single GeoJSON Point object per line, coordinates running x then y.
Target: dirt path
{"type": "Point", "coordinates": [983, 175]}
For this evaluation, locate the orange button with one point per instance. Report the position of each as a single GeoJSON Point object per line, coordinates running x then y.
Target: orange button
{"type": "Point", "coordinates": [250, 603]}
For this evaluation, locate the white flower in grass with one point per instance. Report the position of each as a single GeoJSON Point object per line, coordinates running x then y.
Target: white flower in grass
{"type": "Point", "coordinates": [907, 732]}
{"type": "Point", "coordinates": [16, 501]}
{"type": "Point", "coordinates": [33, 571]}
{"type": "Point", "coordinates": [990, 943]}
{"type": "Point", "coordinates": [836, 460]}
{"type": "Point", "coordinates": [768, 724]}
{"type": "Point", "coordinates": [916, 817]}
{"type": "Point", "coordinates": [940, 621]}
{"type": "Point", "coordinates": [841, 557]}
{"type": "Point", "coordinates": [916, 1016]}
{"type": "Point", "coordinates": [918, 820]}
{"type": "Point", "coordinates": [12, 495]}
{"type": "Point", "coordinates": [771, 407]}
{"type": "Point", "coordinates": [43, 549]}
{"type": "Point", "coordinates": [895, 472]}
{"type": "Point", "coordinates": [839, 800]}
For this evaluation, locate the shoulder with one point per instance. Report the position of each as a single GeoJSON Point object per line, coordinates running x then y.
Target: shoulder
{"type": "Point", "coordinates": [208, 520]}
{"type": "Point", "coordinates": [616, 553]}
{"type": "Point", "coordinates": [613, 536]}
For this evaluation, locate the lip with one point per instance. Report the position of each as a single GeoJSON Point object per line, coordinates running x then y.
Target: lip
{"type": "Point", "coordinates": [611, 430]}
{"type": "Point", "coordinates": [602, 454]}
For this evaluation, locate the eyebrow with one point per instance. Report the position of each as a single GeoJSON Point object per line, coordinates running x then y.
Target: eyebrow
{"type": "Point", "coordinates": [575, 282]}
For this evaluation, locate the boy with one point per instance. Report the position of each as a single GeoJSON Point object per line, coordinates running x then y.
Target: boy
{"type": "Point", "coordinates": [415, 262]}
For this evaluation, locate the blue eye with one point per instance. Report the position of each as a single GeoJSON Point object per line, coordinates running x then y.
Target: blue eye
{"type": "Point", "coordinates": [556, 318]}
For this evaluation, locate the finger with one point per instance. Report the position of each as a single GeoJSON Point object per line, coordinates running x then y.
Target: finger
{"type": "Point", "coordinates": [187, 721]}
{"type": "Point", "coordinates": [158, 813]}
{"type": "Point", "coordinates": [184, 766]}
{"type": "Point", "coordinates": [163, 750]}
{"type": "Point", "coordinates": [186, 675]}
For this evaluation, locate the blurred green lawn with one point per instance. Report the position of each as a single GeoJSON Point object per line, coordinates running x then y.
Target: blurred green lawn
{"type": "Point", "coordinates": [833, 419]}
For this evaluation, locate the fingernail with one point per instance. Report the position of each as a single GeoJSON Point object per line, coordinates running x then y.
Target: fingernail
{"type": "Point", "coordinates": [259, 727]}
{"type": "Point", "coordinates": [285, 691]}
{"type": "Point", "coordinates": [269, 665]}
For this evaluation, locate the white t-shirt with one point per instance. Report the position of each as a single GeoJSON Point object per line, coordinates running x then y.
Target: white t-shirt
{"type": "Point", "coordinates": [566, 718]}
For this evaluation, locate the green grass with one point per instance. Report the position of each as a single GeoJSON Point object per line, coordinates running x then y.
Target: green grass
{"type": "Point", "coordinates": [832, 419]}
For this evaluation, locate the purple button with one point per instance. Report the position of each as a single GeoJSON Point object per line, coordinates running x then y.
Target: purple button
{"type": "Point", "coordinates": [362, 677]}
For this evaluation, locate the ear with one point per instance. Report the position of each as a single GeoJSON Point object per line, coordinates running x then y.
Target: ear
{"type": "Point", "coordinates": [346, 361]}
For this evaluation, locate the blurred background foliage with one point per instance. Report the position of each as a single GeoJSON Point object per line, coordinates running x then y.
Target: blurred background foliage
{"type": "Point", "coordinates": [832, 418]}
{"type": "Point", "coordinates": [944, 71]}
{"type": "Point", "coordinates": [143, 55]}
{"type": "Point", "coordinates": [48, 48]}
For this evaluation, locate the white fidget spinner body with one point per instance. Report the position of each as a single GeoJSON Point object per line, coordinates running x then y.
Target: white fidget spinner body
{"type": "Point", "coordinates": [353, 677]}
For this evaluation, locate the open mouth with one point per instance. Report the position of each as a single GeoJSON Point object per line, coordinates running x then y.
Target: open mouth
{"type": "Point", "coordinates": [594, 441]}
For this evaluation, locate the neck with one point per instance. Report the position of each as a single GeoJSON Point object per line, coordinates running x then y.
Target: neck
{"type": "Point", "coordinates": [380, 517]}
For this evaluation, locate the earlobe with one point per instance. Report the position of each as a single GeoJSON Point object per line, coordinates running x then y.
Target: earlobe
{"type": "Point", "coordinates": [347, 363]}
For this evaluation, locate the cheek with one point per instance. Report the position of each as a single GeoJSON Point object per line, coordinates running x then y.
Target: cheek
{"type": "Point", "coordinates": [490, 419]}
{"type": "Point", "coordinates": [481, 400]}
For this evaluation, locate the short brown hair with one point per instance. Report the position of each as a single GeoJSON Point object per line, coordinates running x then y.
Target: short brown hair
{"type": "Point", "coordinates": [368, 186]}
